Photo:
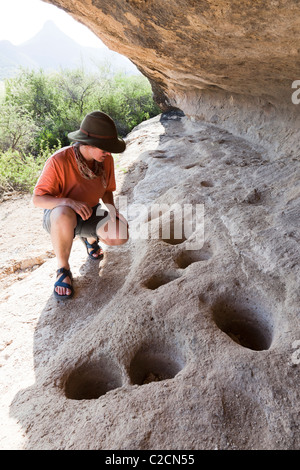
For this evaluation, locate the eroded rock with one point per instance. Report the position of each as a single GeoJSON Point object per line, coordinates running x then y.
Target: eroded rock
{"type": "Point", "coordinates": [229, 63]}
{"type": "Point", "coordinates": [205, 359]}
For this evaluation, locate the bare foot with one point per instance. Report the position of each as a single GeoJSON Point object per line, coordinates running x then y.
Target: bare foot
{"type": "Point", "coordinates": [60, 290]}
{"type": "Point", "coordinates": [98, 253]}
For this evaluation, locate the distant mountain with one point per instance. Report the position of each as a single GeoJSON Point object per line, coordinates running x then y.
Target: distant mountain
{"type": "Point", "coordinates": [52, 49]}
{"type": "Point", "coordinates": [11, 58]}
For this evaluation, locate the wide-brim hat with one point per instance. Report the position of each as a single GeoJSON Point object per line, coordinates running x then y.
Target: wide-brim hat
{"type": "Point", "coordinates": [99, 130]}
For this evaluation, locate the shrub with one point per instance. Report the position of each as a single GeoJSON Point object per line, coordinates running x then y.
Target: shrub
{"type": "Point", "coordinates": [19, 172]}
{"type": "Point", "coordinates": [39, 109]}
{"type": "Point", "coordinates": [17, 128]}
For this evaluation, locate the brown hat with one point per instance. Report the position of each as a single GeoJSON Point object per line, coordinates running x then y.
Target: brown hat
{"type": "Point", "coordinates": [99, 130]}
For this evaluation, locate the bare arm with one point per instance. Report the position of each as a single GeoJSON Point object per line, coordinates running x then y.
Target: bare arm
{"type": "Point", "coordinates": [108, 198]}
{"type": "Point", "coordinates": [50, 202]}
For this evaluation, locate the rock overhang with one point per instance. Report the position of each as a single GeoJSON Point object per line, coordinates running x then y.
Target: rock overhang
{"type": "Point", "coordinates": [187, 47]}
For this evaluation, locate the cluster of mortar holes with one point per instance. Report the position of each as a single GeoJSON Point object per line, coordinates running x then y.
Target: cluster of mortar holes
{"type": "Point", "coordinates": [248, 326]}
{"type": "Point", "coordinates": [158, 280]}
{"type": "Point", "coordinates": [92, 380]}
{"type": "Point", "coordinates": [188, 257]}
{"type": "Point", "coordinates": [154, 363]}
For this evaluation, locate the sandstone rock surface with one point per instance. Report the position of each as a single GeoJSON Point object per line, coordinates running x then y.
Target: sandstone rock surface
{"type": "Point", "coordinates": [245, 47]}
{"type": "Point", "coordinates": [166, 345]}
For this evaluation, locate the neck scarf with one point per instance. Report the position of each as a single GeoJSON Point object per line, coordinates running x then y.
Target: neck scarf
{"type": "Point", "coordinates": [84, 170]}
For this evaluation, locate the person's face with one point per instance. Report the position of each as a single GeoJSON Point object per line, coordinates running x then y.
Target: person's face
{"type": "Point", "coordinates": [94, 153]}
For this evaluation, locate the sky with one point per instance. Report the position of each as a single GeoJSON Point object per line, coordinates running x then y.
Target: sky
{"type": "Point", "coordinates": [20, 20]}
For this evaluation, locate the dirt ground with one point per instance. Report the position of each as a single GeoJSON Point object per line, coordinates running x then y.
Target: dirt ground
{"type": "Point", "coordinates": [25, 245]}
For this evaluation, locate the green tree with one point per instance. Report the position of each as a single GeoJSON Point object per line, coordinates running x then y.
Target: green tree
{"type": "Point", "coordinates": [76, 88]}
{"type": "Point", "coordinates": [34, 93]}
{"type": "Point", "coordinates": [39, 109]}
{"type": "Point", "coordinates": [17, 128]}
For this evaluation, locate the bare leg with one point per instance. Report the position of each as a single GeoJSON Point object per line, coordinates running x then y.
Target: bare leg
{"type": "Point", "coordinates": [114, 233]}
{"type": "Point", "coordinates": [63, 221]}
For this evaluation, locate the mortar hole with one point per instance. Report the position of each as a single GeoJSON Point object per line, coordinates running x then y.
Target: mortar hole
{"type": "Point", "coordinates": [92, 380]}
{"type": "Point", "coordinates": [188, 257]}
{"type": "Point", "coordinates": [158, 280]}
{"type": "Point", "coordinates": [206, 184]}
{"type": "Point", "coordinates": [192, 165]}
{"type": "Point", "coordinates": [248, 327]}
{"type": "Point", "coordinates": [153, 366]}
{"type": "Point", "coordinates": [175, 234]}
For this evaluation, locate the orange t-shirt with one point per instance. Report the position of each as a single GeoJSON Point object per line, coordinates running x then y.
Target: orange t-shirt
{"type": "Point", "coordinates": [61, 178]}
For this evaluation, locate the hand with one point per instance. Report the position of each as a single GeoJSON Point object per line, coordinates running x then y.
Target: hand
{"type": "Point", "coordinates": [121, 218]}
{"type": "Point", "coordinates": [81, 208]}
{"type": "Point", "coordinates": [114, 214]}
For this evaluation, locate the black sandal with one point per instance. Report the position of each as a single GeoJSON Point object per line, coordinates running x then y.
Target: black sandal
{"type": "Point", "coordinates": [59, 283]}
{"type": "Point", "coordinates": [94, 247]}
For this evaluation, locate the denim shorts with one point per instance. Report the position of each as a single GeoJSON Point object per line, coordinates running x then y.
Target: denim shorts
{"type": "Point", "coordinates": [84, 228]}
